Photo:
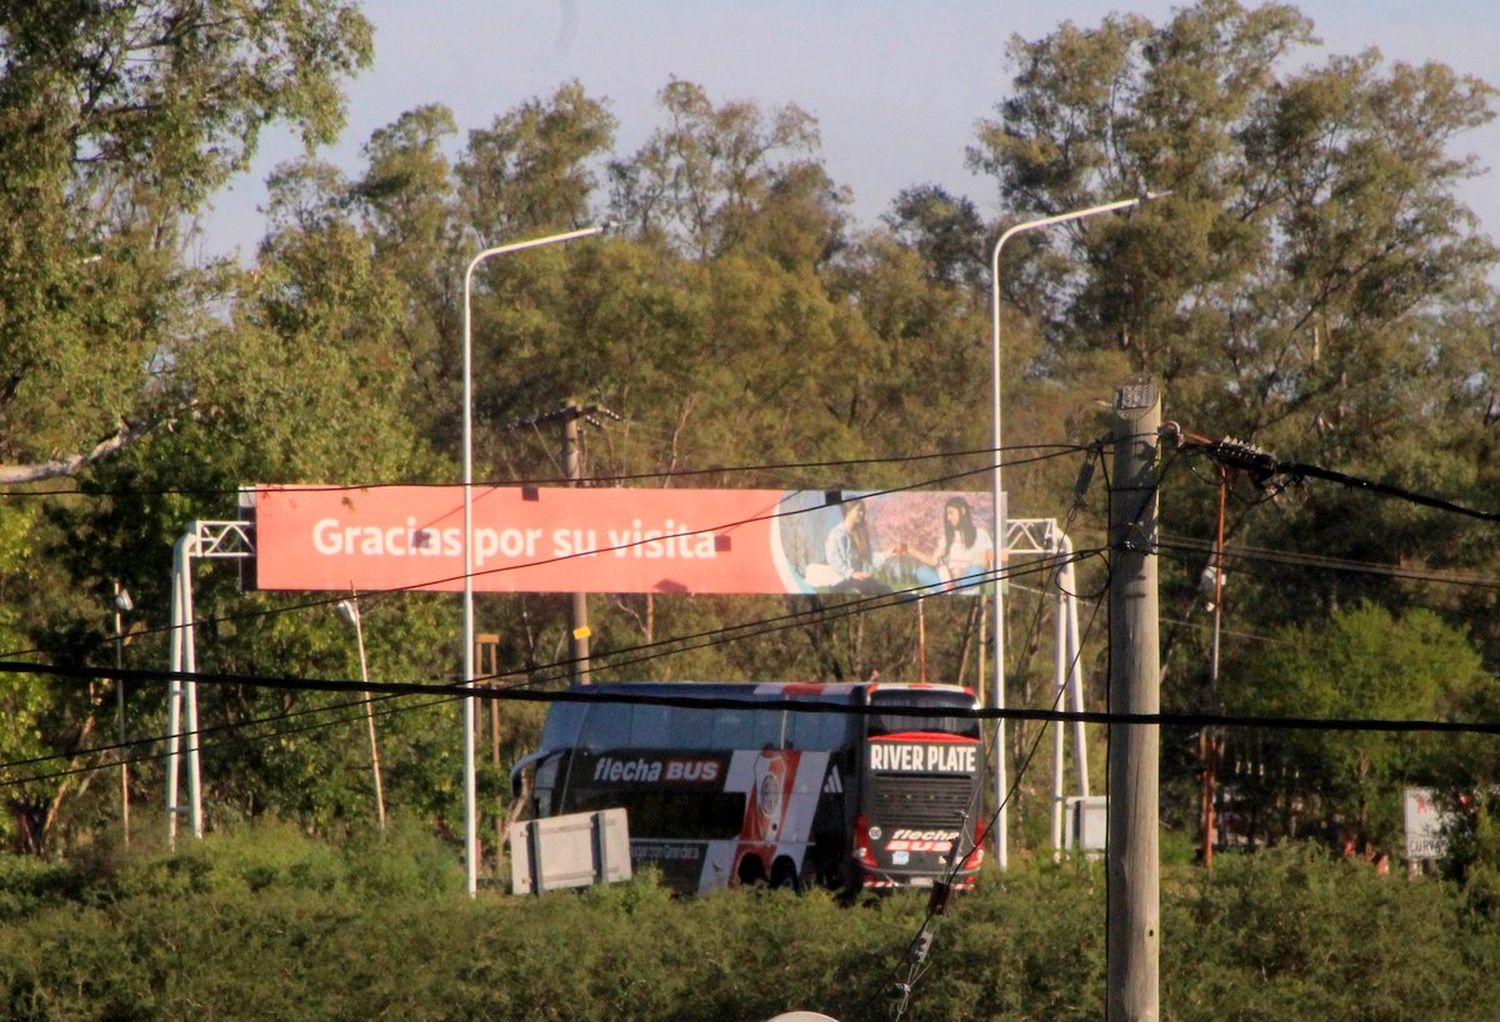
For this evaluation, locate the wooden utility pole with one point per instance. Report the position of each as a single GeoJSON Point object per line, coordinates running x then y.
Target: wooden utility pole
{"type": "Point", "coordinates": [578, 608]}
{"type": "Point", "coordinates": [1134, 926]}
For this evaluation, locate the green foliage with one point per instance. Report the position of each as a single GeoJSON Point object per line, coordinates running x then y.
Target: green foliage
{"type": "Point", "coordinates": [1312, 283]}
{"type": "Point", "coordinates": [1359, 663]}
{"type": "Point", "coordinates": [118, 120]}
{"type": "Point", "coordinates": [1259, 937]}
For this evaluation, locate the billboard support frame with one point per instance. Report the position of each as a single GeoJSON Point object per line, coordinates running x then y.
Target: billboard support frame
{"type": "Point", "coordinates": [213, 540]}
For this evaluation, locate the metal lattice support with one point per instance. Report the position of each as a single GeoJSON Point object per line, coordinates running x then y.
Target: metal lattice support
{"type": "Point", "coordinates": [215, 540]}
{"type": "Point", "coordinates": [1042, 537]}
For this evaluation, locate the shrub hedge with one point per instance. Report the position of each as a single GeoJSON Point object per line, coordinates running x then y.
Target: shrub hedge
{"type": "Point", "coordinates": [264, 923]}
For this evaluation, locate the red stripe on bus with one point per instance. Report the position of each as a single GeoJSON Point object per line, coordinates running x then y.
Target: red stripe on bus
{"type": "Point", "coordinates": [923, 736]}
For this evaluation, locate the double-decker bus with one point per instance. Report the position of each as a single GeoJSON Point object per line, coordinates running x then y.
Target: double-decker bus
{"type": "Point", "coordinates": [868, 785]}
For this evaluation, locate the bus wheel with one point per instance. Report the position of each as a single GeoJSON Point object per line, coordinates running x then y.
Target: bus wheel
{"type": "Point", "coordinates": [752, 871]}
{"type": "Point", "coordinates": [784, 874]}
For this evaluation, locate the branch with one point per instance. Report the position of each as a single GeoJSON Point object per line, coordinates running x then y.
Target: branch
{"type": "Point", "coordinates": [124, 437]}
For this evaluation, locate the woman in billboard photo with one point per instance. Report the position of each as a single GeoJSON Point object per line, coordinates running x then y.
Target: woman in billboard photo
{"type": "Point", "coordinates": [965, 551]}
{"type": "Point", "coordinates": [850, 555]}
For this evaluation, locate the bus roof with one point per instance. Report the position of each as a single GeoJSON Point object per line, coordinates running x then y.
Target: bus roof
{"type": "Point", "coordinates": [831, 691]}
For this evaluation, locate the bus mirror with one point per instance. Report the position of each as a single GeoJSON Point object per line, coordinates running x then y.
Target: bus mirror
{"type": "Point", "coordinates": [518, 774]}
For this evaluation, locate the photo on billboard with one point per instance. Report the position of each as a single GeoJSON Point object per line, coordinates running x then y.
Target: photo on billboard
{"type": "Point", "coordinates": [874, 542]}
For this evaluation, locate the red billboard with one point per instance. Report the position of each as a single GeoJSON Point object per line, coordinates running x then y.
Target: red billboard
{"type": "Point", "coordinates": [555, 539]}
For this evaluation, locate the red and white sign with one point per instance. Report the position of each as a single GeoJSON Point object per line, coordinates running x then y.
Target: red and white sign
{"type": "Point", "coordinates": [534, 540]}
{"type": "Point", "coordinates": [616, 540]}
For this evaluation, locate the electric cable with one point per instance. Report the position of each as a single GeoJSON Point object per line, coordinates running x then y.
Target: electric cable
{"type": "Point", "coordinates": [94, 750]}
{"type": "Point", "coordinates": [522, 694]}
{"type": "Point", "coordinates": [1173, 545]}
{"type": "Point", "coordinates": [917, 952]}
{"type": "Point", "coordinates": [608, 479]}
{"type": "Point", "coordinates": [528, 675]}
{"type": "Point", "coordinates": [1274, 475]}
{"type": "Point", "coordinates": [376, 594]}
{"type": "Point", "coordinates": [224, 741]}
{"type": "Point", "coordinates": [793, 619]}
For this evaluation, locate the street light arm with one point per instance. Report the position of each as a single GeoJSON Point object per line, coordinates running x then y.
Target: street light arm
{"type": "Point", "coordinates": [998, 698]}
{"type": "Point", "coordinates": [470, 839]}
{"type": "Point", "coordinates": [1061, 218]}
{"type": "Point", "coordinates": [517, 246]}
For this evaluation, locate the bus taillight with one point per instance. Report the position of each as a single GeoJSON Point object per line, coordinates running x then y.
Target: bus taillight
{"type": "Point", "coordinates": [976, 857]}
{"type": "Point", "coordinates": [861, 843]}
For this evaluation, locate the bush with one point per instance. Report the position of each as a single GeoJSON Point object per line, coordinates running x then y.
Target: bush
{"type": "Point", "coordinates": [265, 922]}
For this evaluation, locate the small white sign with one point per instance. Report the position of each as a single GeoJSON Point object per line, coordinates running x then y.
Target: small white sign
{"type": "Point", "coordinates": [1424, 825]}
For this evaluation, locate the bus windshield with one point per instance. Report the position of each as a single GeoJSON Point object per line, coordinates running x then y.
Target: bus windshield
{"type": "Point", "coordinates": [894, 717]}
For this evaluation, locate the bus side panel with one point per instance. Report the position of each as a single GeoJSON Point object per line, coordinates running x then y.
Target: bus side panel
{"type": "Point", "coordinates": [782, 789]}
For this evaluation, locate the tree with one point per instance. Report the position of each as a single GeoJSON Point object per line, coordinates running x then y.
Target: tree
{"type": "Point", "coordinates": [1312, 284]}
{"type": "Point", "coordinates": [945, 229]}
{"type": "Point", "coordinates": [710, 175]}
{"type": "Point", "coordinates": [118, 121]}
{"type": "Point", "coordinates": [1297, 273]}
{"type": "Point", "coordinates": [1359, 663]}
{"type": "Point", "coordinates": [528, 172]}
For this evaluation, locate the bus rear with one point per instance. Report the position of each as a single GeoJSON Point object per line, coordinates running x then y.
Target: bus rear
{"type": "Point", "coordinates": [920, 788]}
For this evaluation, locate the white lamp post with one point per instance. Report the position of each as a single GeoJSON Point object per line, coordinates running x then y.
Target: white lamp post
{"type": "Point", "coordinates": [471, 842]}
{"type": "Point", "coordinates": [122, 605]}
{"type": "Point", "coordinates": [349, 611]}
{"type": "Point", "coordinates": [1001, 851]}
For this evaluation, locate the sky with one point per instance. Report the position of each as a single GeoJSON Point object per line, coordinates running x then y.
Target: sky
{"type": "Point", "coordinates": [897, 87]}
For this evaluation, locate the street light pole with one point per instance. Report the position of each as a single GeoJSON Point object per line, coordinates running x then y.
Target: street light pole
{"type": "Point", "coordinates": [122, 604]}
{"type": "Point", "coordinates": [471, 831]}
{"type": "Point", "coordinates": [349, 611]}
{"type": "Point", "coordinates": [1002, 855]}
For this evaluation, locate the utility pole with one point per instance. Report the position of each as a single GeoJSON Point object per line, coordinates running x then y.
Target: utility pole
{"type": "Point", "coordinates": [578, 608]}
{"type": "Point", "coordinates": [1134, 924]}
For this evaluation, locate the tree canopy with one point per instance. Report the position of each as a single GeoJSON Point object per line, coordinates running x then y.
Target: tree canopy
{"type": "Point", "coordinates": [1309, 281]}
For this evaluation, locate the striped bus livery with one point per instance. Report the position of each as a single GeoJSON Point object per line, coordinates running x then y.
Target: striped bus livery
{"type": "Point", "coordinates": [841, 785]}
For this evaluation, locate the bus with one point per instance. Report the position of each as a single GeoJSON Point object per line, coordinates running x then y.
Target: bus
{"type": "Point", "coordinates": [879, 788]}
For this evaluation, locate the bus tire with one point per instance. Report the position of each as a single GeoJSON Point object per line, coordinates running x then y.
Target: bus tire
{"type": "Point", "coordinates": [751, 871]}
{"type": "Point", "coordinates": [784, 874]}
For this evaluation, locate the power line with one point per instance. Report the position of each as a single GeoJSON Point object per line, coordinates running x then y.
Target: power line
{"type": "Point", "coordinates": [521, 694]}
{"type": "Point", "coordinates": [918, 950]}
{"type": "Point", "coordinates": [781, 622]}
{"type": "Point", "coordinates": [609, 479]}
{"type": "Point", "coordinates": [376, 594]}
{"type": "Point", "coordinates": [650, 651]}
{"type": "Point", "coordinates": [95, 750]}
{"type": "Point", "coordinates": [1273, 475]}
{"type": "Point", "coordinates": [1292, 558]}
{"type": "Point", "coordinates": [233, 739]}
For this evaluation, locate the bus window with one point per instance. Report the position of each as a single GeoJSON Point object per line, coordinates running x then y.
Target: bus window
{"type": "Point", "coordinates": [563, 723]}
{"type": "Point", "coordinates": [650, 726]}
{"type": "Point", "coordinates": [890, 720]}
{"type": "Point", "coordinates": [691, 729]}
{"type": "Point", "coordinates": [819, 732]}
{"type": "Point", "coordinates": [744, 729]}
{"type": "Point", "coordinates": [607, 727]}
